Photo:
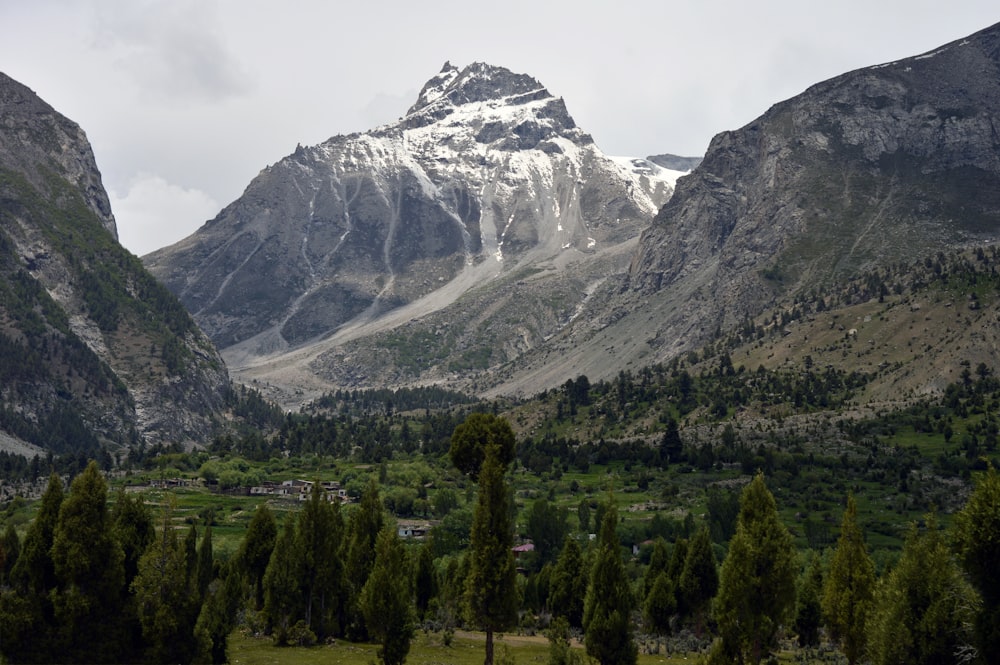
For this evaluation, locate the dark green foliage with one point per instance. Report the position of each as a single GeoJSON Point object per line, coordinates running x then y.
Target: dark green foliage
{"type": "Point", "coordinates": [491, 586]}
{"type": "Point", "coordinates": [386, 601]}
{"type": "Point", "coordinates": [977, 540]}
{"type": "Point", "coordinates": [282, 596]}
{"type": "Point", "coordinates": [470, 440]}
{"type": "Point", "coordinates": [660, 605]}
{"type": "Point", "coordinates": [921, 612]}
{"type": "Point", "coordinates": [365, 524]}
{"type": "Point", "coordinates": [561, 651]}
{"type": "Point", "coordinates": [255, 550]}
{"type": "Point", "coordinates": [425, 580]}
{"type": "Point", "coordinates": [850, 586]}
{"type": "Point", "coordinates": [89, 567]}
{"type": "Point", "coordinates": [606, 616]}
{"type": "Point", "coordinates": [809, 616]}
{"type": "Point", "coordinates": [319, 537]}
{"type": "Point", "coordinates": [547, 528]}
{"type": "Point", "coordinates": [757, 581]}
{"type": "Point", "coordinates": [134, 530]}
{"type": "Point", "coordinates": [10, 550]}
{"type": "Point", "coordinates": [568, 584]}
{"type": "Point", "coordinates": [217, 618]}
{"type": "Point", "coordinates": [699, 579]}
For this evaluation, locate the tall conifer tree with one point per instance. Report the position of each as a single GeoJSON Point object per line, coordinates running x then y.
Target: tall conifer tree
{"type": "Point", "coordinates": [606, 622]}
{"type": "Point", "coordinates": [850, 587]}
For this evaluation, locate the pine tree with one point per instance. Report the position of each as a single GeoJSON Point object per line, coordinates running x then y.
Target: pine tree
{"type": "Point", "coordinates": [425, 579]}
{"type": "Point", "coordinates": [282, 596]}
{"type": "Point", "coordinates": [10, 548]}
{"type": "Point", "coordinates": [850, 586]}
{"type": "Point", "coordinates": [217, 617]}
{"type": "Point", "coordinates": [255, 551]}
{"type": "Point", "coordinates": [164, 597]}
{"type": "Point", "coordinates": [660, 605]}
{"type": "Point", "coordinates": [385, 599]}
{"type": "Point", "coordinates": [26, 612]}
{"type": "Point", "coordinates": [319, 533]}
{"type": "Point", "coordinates": [366, 522]}
{"type": "Point", "coordinates": [568, 584]}
{"type": "Point", "coordinates": [699, 580]}
{"type": "Point", "coordinates": [205, 572]}
{"type": "Point", "coordinates": [977, 540]}
{"type": "Point", "coordinates": [89, 567]}
{"type": "Point", "coordinates": [921, 611]}
{"type": "Point", "coordinates": [757, 581]}
{"type": "Point", "coordinates": [472, 437]}
{"type": "Point", "coordinates": [809, 616]}
{"type": "Point", "coordinates": [606, 621]}
{"type": "Point", "coordinates": [135, 531]}
{"type": "Point", "coordinates": [491, 585]}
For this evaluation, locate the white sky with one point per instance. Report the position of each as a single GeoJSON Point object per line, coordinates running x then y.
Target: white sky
{"type": "Point", "coordinates": [185, 101]}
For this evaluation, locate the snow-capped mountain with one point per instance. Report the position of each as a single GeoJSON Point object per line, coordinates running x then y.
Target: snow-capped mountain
{"type": "Point", "coordinates": [485, 183]}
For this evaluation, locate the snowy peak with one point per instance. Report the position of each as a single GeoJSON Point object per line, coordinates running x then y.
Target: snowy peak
{"type": "Point", "coordinates": [435, 87]}
{"type": "Point", "coordinates": [479, 82]}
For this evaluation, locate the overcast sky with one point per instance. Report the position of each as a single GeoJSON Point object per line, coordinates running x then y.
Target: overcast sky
{"type": "Point", "coordinates": [185, 101]}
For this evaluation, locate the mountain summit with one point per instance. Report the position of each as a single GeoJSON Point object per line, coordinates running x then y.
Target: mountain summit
{"type": "Point", "coordinates": [471, 206]}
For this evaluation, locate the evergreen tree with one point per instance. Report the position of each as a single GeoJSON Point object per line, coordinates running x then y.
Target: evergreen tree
{"type": "Point", "coordinates": [135, 531]}
{"type": "Point", "coordinates": [491, 585]}
{"type": "Point", "coordinates": [546, 527]}
{"type": "Point", "coordinates": [205, 572]}
{"type": "Point", "coordinates": [89, 567]}
{"type": "Point", "coordinates": [386, 599]}
{"type": "Point", "coordinates": [10, 550]}
{"type": "Point", "coordinates": [217, 617]}
{"type": "Point", "coordinates": [850, 587]}
{"type": "Point", "coordinates": [660, 605]}
{"type": "Point", "coordinates": [699, 580]}
{"type": "Point", "coordinates": [319, 534]}
{"type": "Point", "coordinates": [164, 597]}
{"type": "Point", "coordinates": [255, 550]}
{"type": "Point", "coordinates": [606, 622]}
{"type": "Point", "coordinates": [659, 562]}
{"type": "Point", "coordinates": [809, 616]}
{"type": "Point", "coordinates": [671, 446]}
{"type": "Point", "coordinates": [568, 584]}
{"type": "Point", "coordinates": [474, 435]}
{"type": "Point", "coordinates": [366, 522]}
{"type": "Point", "coordinates": [977, 540]}
{"type": "Point", "coordinates": [425, 580]}
{"type": "Point", "coordinates": [282, 595]}
{"type": "Point", "coordinates": [757, 581]}
{"type": "Point", "coordinates": [921, 612]}
{"type": "Point", "coordinates": [26, 611]}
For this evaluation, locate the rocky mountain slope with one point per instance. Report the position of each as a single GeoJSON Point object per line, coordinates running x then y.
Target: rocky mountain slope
{"type": "Point", "coordinates": [434, 248]}
{"type": "Point", "coordinates": [93, 350]}
{"type": "Point", "coordinates": [880, 166]}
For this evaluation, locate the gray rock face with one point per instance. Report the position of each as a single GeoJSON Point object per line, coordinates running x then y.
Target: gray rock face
{"type": "Point", "coordinates": [94, 350]}
{"type": "Point", "coordinates": [884, 164]}
{"type": "Point", "coordinates": [485, 177]}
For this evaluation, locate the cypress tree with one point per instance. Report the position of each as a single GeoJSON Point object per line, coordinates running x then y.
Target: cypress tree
{"type": "Point", "coordinates": [699, 579]}
{"type": "Point", "coordinates": [850, 586]}
{"type": "Point", "coordinates": [319, 533]}
{"type": "Point", "coordinates": [491, 585]}
{"type": "Point", "coordinates": [386, 599]}
{"type": "Point", "coordinates": [366, 522]}
{"type": "Point", "coordinates": [282, 597]}
{"type": "Point", "coordinates": [568, 584]}
{"type": "Point", "coordinates": [977, 541]}
{"type": "Point", "coordinates": [757, 581]}
{"type": "Point", "coordinates": [606, 622]}
{"type": "Point", "coordinates": [255, 551]}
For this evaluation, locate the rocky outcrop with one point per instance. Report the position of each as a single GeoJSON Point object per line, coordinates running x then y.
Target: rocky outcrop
{"type": "Point", "coordinates": [481, 194]}
{"type": "Point", "coordinates": [94, 351]}
{"type": "Point", "coordinates": [880, 165]}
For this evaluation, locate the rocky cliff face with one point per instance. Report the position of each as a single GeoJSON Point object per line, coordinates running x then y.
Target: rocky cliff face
{"type": "Point", "coordinates": [885, 164]}
{"type": "Point", "coordinates": [425, 249]}
{"type": "Point", "coordinates": [94, 351]}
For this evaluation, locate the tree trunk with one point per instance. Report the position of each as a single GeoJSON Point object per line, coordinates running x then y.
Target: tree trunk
{"type": "Point", "coordinates": [489, 647]}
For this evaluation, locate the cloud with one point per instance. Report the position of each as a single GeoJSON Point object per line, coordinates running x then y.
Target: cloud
{"type": "Point", "coordinates": [174, 50]}
{"type": "Point", "coordinates": [155, 213]}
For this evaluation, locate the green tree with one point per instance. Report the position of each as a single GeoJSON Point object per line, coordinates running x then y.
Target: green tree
{"type": "Point", "coordinates": [217, 618]}
{"type": "Point", "coordinates": [561, 650]}
{"type": "Point", "coordinates": [282, 595]}
{"type": "Point", "coordinates": [365, 524]}
{"type": "Point", "coordinates": [164, 597]}
{"type": "Point", "coordinates": [26, 611]}
{"type": "Point", "coordinates": [660, 605]}
{"type": "Point", "coordinates": [921, 612]}
{"type": "Point", "coordinates": [546, 527]}
{"type": "Point", "coordinates": [606, 622]}
{"type": "Point", "coordinates": [699, 579]}
{"type": "Point", "coordinates": [977, 541]}
{"type": "Point", "coordinates": [89, 567]}
{"type": "Point", "coordinates": [659, 562]}
{"type": "Point", "coordinates": [255, 550]}
{"type": "Point", "coordinates": [850, 587]}
{"type": "Point", "coordinates": [386, 599]}
{"type": "Point", "coordinates": [491, 585]}
{"type": "Point", "coordinates": [757, 581]}
{"type": "Point", "coordinates": [425, 579]}
{"type": "Point", "coordinates": [319, 534]}
{"type": "Point", "coordinates": [568, 584]}
{"type": "Point", "coordinates": [809, 616]}
{"type": "Point", "coordinates": [205, 570]}
{"type": "Point", "coordinates": [135, 530]}
{"type": "Point", "coordinates": [10, 550]}
{"type": "Point", "coordinates": [472, 437]}
{"type": "Point", "coordinates": [671, 446]}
